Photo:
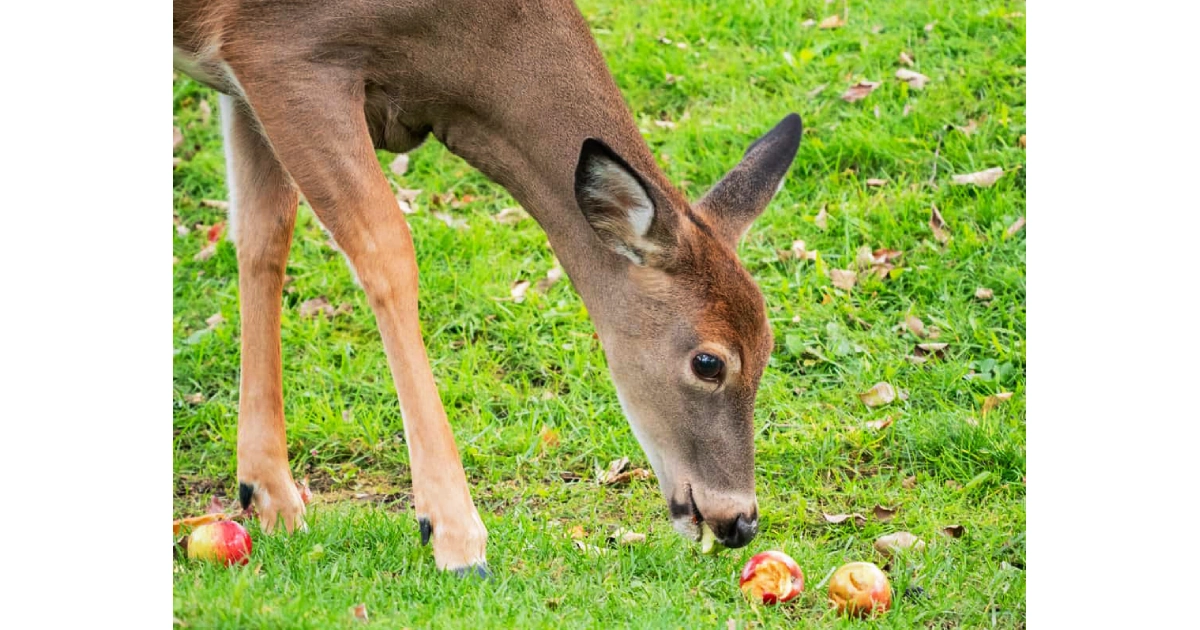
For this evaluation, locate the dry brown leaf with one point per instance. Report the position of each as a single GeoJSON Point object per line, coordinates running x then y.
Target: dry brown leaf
{"type": "Point", "coordinates": [898, 543]}
{"type": "Point", "coordinates": [906, 59]}
{"type": "Point", "coordinates": [453, 222]}
{"type": "Point", "coordinates": [991, 402]}
{"type": "Point", "coordinates": [833, 21]}
{"type": "Point", "coordinates": [664, 124]}
{"type": "Point", "coordinates": [938, 225]}
{"type": "Point", "coordinates": [627, 476]}
{"type": "Point", "coordinates": [879, 425]}
{"type": "Point", "coordinates": [549, 437]}
{"type": "Point", "coordinates": [817, 90]}
{"type": "Point", "coordinates": [983, 293]}
{"type": "Point", "coordinates": [864, 258]}
{"type": "Point", "coordinates": [880, 394]}
{"type": "Point", "coordinates": [615, 467]}
{"type": "Point", "coordinates": [954, 531]}
{"type": "Point", "coordinates": [1017, 226]}
{"type": "Point", "coordinates": [205, 253]}
{"type": "Point", "coordinates": [843, 278]}
{"type": "Point", "coordinates": [884, 514]}
{"type": "Point", "coordinates": [859, 91]}
{"type": "Point", "coordinates": [858, 519]}
{"type": "Point", "coordinates": [196, 521]}
{"type": "Point", "coordinates": [982, 178]}
{"type": "Point", "coordinates": [405, 206]}
{"type": "Point", "coordinates": [359, 611]}
{"type": "Point", "coordinates": [518, 290]}
{"type": "Point", "coordinates": [590, 549]}
{"type": "Point", "coordinates": [1021, 141]}
{"type": "Point", "coordinates": [952, 485]}
{"type": "Point", "coordinates": [510, 216]}
{"type": "Point", "coordinates": [915, 326]}
{"type": "Point", "coordinates": [969, 128]}
{"type": "Point", "coordinates": [194, 399]}
{"type": "Point", "coordinates": [822, 219]}
{"type": "Point", "coordinates": [177, 139]}
{"type": "Point", "coordinates": [321, 306]}
{"type": "Point", "coordinates": [570, 477]}
{"type": "Point", "coordinates": [215, 320]}
{"type": "Point", "coordinates": [205, 111]}
{"type": "Point", "coordinates": [631, 538]}
{"type": "Point", "coordinates": [876, 182]}
{"type": "Point", "coordinates": [578, 532]}
{"type": "Point", "coordinates": [935, 350]}
{"type": "Point", "coordinates": [215, 203]}
{"type": "Point", "coordinates": [909, 482]}
{"type": "Point", "coordinates": [552, 277]}
{"type": "Point", "coordinates": [408, 194]}
{"type": "Point", "coordinates": [399, 165]}
{"type": "Point", "coordinates": [915, 80]}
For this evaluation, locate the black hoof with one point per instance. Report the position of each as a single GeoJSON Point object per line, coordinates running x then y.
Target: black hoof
{"type": "Point", "coordinates": [480, 570]}
{"type": "Point", "coordinates": [245, 494]}
{"type": "Point", "coordinates": [426, 530]}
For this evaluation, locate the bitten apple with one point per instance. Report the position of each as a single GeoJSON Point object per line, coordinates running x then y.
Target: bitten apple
{"type": "Point", "coordinates": [222, 541]}
{"type": "Point", "coordinates": [860, 589]}
{"type": "Point", "coordinates": [770, 577]}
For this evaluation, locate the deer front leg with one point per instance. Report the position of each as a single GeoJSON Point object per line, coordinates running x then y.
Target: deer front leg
{"type": "Point", "coordinates": [323, 141]}
{"type": "Point", "coordinates": [262, 214]}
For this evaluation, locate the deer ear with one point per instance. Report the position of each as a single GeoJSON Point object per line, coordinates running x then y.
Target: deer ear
{"type": "Point", "coordinates": [735, 201]}
{"type": "Point", "coordinates": [619, 207]}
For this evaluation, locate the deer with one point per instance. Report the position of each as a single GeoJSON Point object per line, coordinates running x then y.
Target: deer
{"type": "Point", "coordinates": [310, 89]}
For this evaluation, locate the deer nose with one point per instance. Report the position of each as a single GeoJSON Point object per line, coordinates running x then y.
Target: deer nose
{"type": "Point", "coordinates": [739, 533]}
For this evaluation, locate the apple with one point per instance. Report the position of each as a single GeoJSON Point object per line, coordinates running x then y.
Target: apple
{"type": "Point", "coordinates": [222, 541]}
{"type": "Point", "coordinates": [708, 539]}
{"type": "Point", "coordinates": [860, 589]}
{"type": "Point", "coordinates": [770, 577]}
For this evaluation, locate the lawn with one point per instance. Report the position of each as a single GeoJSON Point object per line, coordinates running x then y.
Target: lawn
{"type": "Point", "coordinates": [526, 386]}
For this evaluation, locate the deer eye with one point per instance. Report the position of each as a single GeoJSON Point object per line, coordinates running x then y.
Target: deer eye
{"type": "Point", "coordinates": [707, 366]}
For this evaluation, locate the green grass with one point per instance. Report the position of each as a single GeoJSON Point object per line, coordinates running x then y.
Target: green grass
{"type": "Point", "coordinates": [507, 372]}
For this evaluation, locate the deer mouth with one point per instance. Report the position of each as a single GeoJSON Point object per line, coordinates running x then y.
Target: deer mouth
{"type": "Point", "coordinates": [686, 516]}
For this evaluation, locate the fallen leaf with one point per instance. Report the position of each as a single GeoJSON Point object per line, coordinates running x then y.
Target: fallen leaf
{"type": "Point", "coordinates": [915, 326]}
{"type": "Point", "coordinates": [983, 293]}
{"type": "Point", "coordinates": [405, 206]}
{"type": "Point", "coordinates": [876, 182]}
{"type": "Point", "coordinates": [205, 253]}
{"type": "Point", "coordinates": [991, 402]}
{"type": "Point", "coordinates": [205, 111]}
{"type": "Point", "coordinates": [1021, 141]}
{"type": "Point", "coordinates": [880, 394]}
{"type": "Point", "coordinates": [399, 165]}
{"type": "Point", "coordinates": [906, 59]}
{"type": "Point", "coordinates": [884, 514]}
{"type": "Point", "coordinates": [360, 612]}
{"type": "Point", "coordinates": [625, 537]}
{"type": "Point", "coordinates": [864, 258]}
{"type": "Point", "coordinates": [219, 204]}
{"type": "Point", "coordinates": [897, 543]}
{"type": "Point", "coordinates": [1017, 226]}
{"type": "Point", "coordinates": [518, 290]}
{"type": "Point", "coordinates": [177, 139]}
{"type": "Point", "coordinates": [843, 278]}
{"type": "Point", "coordinates": [552, 277]}
{"type": "Point", "coordinates": [321, 306]}
{"type": "Point", "coordinates": [615, 467]}
{"type": "Point", "coordinates": [215, 320]}
{"type": "Point", "coordinates": [982, 178]}
{"type": "Point", "coordinates": [822, 219]}
{"type": "Point", "coordinates": [935, 350]}
{"type": "Point", "coordinates": [570, 477]}
{"type": "Point", "coordinates": [808, 23]}
{"type": "Point", "coordinates": [578, 532]}
{"type": "Point", "coordinates": [510, 216]}
{"type": "Point", "coordinates": [929, 26]}
{"type": "Point", "coordinates": [590, 549]}
{"type": "Point", "coordinates": [954, 531]}
{"type": "Point", "coordinates": [627, 476]}
{"type": "Point", "coordinates": [215, 507]}
{"type": "Point", "coordinates": [858, 519]}
{"type": "Point", "coordinates": [879, 425]}
{"type": "Point", "coordinates": [938, 225]}
{"type": "Point", "coordinates": [196, 521]}
{"type": "Point", "coordinates": [799, 252]}
{"type": "Point", "coordinates": [182, 230]}
{"type": "Point", "coordinates": [915, 80]}
{"type": "Point", "coordinates": [453, 222]}
{"type": "Point", "coordinates": [549, 437]}
{"type": "Point", "coordinates": [909, 482]}
{"type": "Point", "coordinates": [952, 485]}
{"type": "Point", "coordinates": [859, 91]}
{"type": "Point", "coordinates": [969, 128]}
{"type": "Point", "coordinates": [664, 124]}
{"type": "Point", "coordinates": [408, 194]}
{"type": "Point", "coordinates": [817, 90]}
{"type": "Point", "coordinates": [833, 21]}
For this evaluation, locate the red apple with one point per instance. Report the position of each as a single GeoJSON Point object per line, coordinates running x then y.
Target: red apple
{"type": "Point", "coordinates": [222, 541]}
{"type": "Point", "coordinates": [770, 577]}
{"type": "Point", "coordinates": [860, 589]}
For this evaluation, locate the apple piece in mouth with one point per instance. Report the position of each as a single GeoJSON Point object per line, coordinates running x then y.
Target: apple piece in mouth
{"type": "Point", "coordinates": [708, 539]}
{"type": "Point", "coordinates": [771, 577]}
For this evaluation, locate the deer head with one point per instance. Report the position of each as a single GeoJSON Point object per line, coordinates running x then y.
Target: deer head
{"type": "Point", "coordinates": [687, 336]}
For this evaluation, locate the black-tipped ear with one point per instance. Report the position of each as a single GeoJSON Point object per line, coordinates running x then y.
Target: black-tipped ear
{"type": "Point", "coordinates": [618, 205]}
{"type": "Point", "coordinates": [735, 201]}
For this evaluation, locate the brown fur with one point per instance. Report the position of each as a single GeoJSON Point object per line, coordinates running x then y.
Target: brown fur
{"type": "Point", "coordinates": [514, 88]}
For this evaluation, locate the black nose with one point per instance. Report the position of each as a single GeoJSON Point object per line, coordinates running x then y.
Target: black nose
{"type": "Point", "coordinates": [741, 533]}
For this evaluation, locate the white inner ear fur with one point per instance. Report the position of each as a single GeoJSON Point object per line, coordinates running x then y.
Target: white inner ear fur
{"type": "Point", "coordinates": [614, 185]}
